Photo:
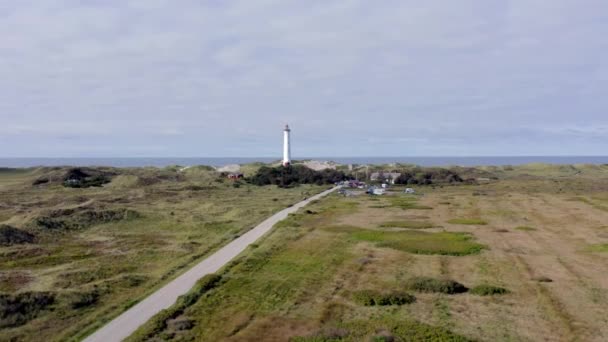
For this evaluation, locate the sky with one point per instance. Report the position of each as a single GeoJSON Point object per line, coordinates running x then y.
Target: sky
{"type": "Point", "coordinates": [219, 78]}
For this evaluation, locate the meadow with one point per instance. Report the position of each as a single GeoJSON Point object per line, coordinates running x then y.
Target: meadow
{"type": "Point", "coordinates": [518, 258]}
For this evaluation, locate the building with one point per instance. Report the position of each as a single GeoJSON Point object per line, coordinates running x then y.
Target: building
{"type": "Point", "coordinates": [235, 175]}
{"type": "Point", "coordinates": [286, 146]}
{"type": "Point", "coordinates": [388, 177]}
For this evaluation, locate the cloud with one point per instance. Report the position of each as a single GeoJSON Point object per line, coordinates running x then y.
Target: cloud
{"type": "Point", "coordinates": [222, 77]}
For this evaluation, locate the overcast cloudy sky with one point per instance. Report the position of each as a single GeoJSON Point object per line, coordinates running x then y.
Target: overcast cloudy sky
{"type": "Point", "coordinates": [220, 78]}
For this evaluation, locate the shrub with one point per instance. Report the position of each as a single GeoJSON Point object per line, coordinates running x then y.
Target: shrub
{"type": "Point", "coordinates": [294, 175]}
{"type": "Point", "coordinates": [85, 299]}
{"type": "Point", "coordinates": [488, 290]}
{"type": "Point", "coordinates": [77, 178]}
{"type": "Point", "coordinates": [20, 308]}
{"type": "Point", "coordinates": [427, 284]}
{"type": "Point", "coordinates": [371, 298]}
{"type": "Point", "coordinates": [13, 236]}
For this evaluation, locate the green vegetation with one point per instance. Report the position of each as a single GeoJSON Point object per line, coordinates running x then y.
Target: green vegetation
{"type": "Point", "coordinates": [468, 221]}
{"type": "Point", "coordinates": [433, 285]}
{"type": "Point", "coordinates": [600, 248]}
{"type": "Point", "coordinates": [98, 250]}
{"type": "Point", "coordinates": [488, 290]}
{"type": "Point", "coordinates": [428, 176]}
{"type": "Point", "coordinates": [294, 175]}
{"type": "Point", "coordinates": [371, 298]}
{"type": "Point", "coordinates": [525, 228]}
{"type": "Point", "coordinates": [407, 224]}
{"type": "Point", "coordinates": [443, 243]}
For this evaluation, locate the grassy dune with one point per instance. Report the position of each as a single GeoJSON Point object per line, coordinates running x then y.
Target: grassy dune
{"type": "Point", "coordinates": [97, 251]}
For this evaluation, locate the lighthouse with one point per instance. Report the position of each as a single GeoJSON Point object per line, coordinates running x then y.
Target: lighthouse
{"type": "Point", "coordinates": [286, 146]}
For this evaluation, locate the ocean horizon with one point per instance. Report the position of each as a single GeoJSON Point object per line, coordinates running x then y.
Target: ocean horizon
{"type": "Point", "coordinates": [222, 161]}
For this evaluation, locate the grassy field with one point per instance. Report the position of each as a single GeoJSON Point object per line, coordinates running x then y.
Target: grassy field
{"type": "Point", "coordinates": [518, 258]}
{"type": "Point", "coordinates": [72, 258]}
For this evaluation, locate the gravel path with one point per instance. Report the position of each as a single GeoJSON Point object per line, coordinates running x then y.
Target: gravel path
{"type": "Point", "coordinates": [125, 324]}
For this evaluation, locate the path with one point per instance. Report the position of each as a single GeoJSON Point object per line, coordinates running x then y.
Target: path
{"type": "Point", "coordinates": [125, 324]}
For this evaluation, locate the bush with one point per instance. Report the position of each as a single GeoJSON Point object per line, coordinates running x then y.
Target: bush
{"type": "Point", "coordinates": [77, 178]}
{"type": "Point", "coordinates": [13, 236]}
{"type": "Point", "coordinates": [371, 298]}
{"type": "Point", "coordinates": [20, 308]}
{"type": "Point", "coordinates": [488, 290]}
{"type": "Point", "coordinates": [427, 284]}
{"type": "Point", "coordinates": [285, 176]}
{"type": "Point", "coordinates": [428, 176]}
{"type": "Point", "coordinates": [85, 299]}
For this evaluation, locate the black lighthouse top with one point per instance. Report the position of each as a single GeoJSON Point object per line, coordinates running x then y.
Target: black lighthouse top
{"type": "Point", "coordinates": [287, 128]}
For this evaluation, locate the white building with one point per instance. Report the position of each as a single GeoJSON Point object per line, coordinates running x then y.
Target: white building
{"type": "Point", "coordinates": [286, 146]}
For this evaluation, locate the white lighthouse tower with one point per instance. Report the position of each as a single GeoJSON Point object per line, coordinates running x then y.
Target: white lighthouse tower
{"type": "Point", "coordinates": [286, 146]}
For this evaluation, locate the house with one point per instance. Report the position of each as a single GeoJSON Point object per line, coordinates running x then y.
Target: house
{"type": "Point", "coordinates": [235, 175]}
{"type": "Point", "coordinates": [388, 177]}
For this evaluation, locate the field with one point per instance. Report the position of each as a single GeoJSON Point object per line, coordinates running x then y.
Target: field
{"type": "Point", "coordinates": [73, 258]}
{"type": "Point", "coordinates": [519, 258]}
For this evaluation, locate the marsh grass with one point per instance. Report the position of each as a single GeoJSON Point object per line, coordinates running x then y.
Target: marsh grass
{"type": "Point", "coordinates": [468, 221]}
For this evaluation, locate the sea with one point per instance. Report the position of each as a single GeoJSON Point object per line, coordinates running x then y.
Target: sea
{"type": "Point", "coordinates": [421, 161]}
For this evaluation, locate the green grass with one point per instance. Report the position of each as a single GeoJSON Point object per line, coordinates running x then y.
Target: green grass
{"type": "Point", "coordinates": [525, 228]}
{"type": "Point", "coordinates": [406, 203]}
{"type": "Point", "coordinates": [468, 221]}
{"type": "Point", "coordinates": [600, 248]}
{"type": "Point", "coordinates": [443, 243]}
{"type": "Point", "coordinates": [488, 290]}
{"type": "Point", "coordinates": [407, 224]}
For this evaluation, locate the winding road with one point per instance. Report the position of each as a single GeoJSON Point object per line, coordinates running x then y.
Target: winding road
{"type": "Point", "coordinates": [124, 325]}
